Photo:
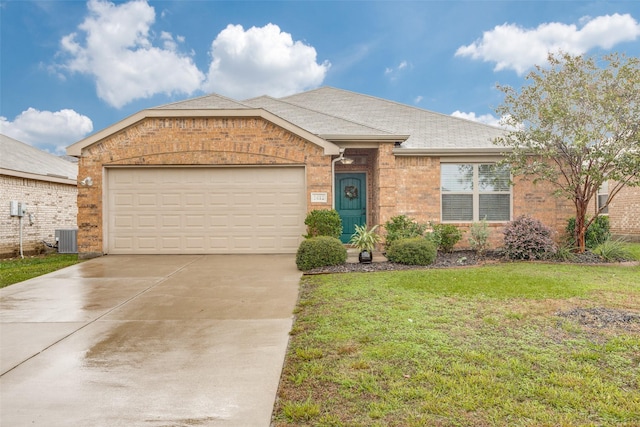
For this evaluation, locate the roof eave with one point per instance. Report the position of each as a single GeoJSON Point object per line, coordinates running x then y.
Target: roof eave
{"type": "Point", "coordinates": [365, 138]}
{"type": "Point", "coordinates": [451, 152]}
{"type": "Point", "coordinates": [76, 149]}
{"type": "Point", "coordinates": [37, 177]}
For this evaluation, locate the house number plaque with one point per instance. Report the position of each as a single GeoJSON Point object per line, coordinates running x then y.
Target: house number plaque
{"type": "Point", "coordinates": [318, 197]}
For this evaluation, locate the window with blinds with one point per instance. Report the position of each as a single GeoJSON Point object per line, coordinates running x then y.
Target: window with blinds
{"type": "Point", "coordinates": [473, 192]}
{"type": "Point", "coordinates": [603, 198]}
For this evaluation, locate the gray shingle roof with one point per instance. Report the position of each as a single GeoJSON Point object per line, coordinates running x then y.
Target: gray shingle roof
{"type": "Point", "coordinates": [313, 121]}
{"type": "Point", "coordinates": [20, 157]}
{"type": "Point", "coordinates": [336, 112]}
{"type": "Point", "coordinates": [427, 129]}
{"type": "Point", "coordinates": [212, 101]}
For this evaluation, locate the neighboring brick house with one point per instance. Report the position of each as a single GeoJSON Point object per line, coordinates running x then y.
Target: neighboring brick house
{"type": "Point", "coordinates": [214, 175]}
{"type": "Point", "coordinates": [46, 184]}
{"type": "Point", "coordinates": [623, 212]}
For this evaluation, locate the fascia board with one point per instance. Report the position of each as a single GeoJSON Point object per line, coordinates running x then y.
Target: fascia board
{"type": "Point", "coordinates": [365, 138]}
{"type": "Point", "coordinates": [76, 149]}
{"type": "Point", "coordinates": [450, 152]}
{"type": "Point", "coordinates": [37, 177]}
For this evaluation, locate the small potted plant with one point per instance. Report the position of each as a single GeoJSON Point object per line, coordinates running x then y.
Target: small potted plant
{"type": "Point", "coordinates": [365, 241]}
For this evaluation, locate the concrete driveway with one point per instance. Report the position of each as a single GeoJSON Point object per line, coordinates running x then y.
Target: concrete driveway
{"type": "Point", "coordinates": [159, 340]}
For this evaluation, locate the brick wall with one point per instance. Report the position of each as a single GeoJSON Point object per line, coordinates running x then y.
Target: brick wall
{"type": "Point", "coordinates": [397, 185]}
{"type": "Point", "coordinates": [418, 197]}
{"type": "Point", "coordinates": [624, 214]}
{"type": "Point", "coordinates": [193, 141]}
{"type": "Point", "coordinates": [52, 206]}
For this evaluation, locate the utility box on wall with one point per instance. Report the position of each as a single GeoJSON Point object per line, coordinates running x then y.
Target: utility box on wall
{"type": "Point", "coordinates": [16, 208]}
{"type": "Point", "coordinates": [67, 241]}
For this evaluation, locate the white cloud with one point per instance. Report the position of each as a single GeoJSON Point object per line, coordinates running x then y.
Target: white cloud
{"type": "Point", "coordinates": [487, 119]}
{"type": "Point", "coordinates": [262, 61]}
{"type": "Point", "coordinates": [394, 72]}
{"type": "Point", "coordinates": [47, 129]}
{"type": "Point", "coordinates": [418, 99]}
{"type": "Point", "coordinates": [513, 47]}
{"type": "Point", "coordinates": [114, 47]}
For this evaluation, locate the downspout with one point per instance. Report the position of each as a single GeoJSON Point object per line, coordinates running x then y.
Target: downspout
{"type": "Point", "coordinates": [333, 177]}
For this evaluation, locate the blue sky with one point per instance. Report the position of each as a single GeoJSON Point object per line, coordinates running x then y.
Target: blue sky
{"type": "Point", "coordinates": [72, 68]}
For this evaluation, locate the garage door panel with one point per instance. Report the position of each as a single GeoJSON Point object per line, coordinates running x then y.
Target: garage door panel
{"type": "Point", "coordinates": [170, 222]}
{"type": "Point", "coordinates": [205, 210]}
{"type": "Point", "coordinates": [170, 243]}
{"type": "Point", "coordinates": [171, 200]}
{"type": "Point", "coordinates": [195, 200]}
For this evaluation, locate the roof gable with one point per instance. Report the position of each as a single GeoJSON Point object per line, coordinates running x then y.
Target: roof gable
{"type": "Point", "coordinates": [76, 149]}
{"type": "Point", "coordinates": [207, 102]}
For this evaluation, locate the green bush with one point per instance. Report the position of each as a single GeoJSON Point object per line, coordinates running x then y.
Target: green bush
{"type": "Point", "coordinates": [402, 227]}
{"type": "Point", "coordinates": [479, 239]}
{"type": "Point", "coordinates": [320, 251]}
{"type": "Point", "coordinates": [412, 251]}
{"type": "Point", "coordinates": [323, 222]}
{"type": "Point", "coordinates": [446, 236]}
{"type": "Point", "coordinates": [527, 238]}
{"type": "Point", "coordinates": [598, 232]}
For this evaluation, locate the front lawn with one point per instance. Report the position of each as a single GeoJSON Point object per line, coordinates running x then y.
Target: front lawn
{"type": "Point", "coordinates": [515, 344]}
{"type": "Point", "coordinates": [16, 270]}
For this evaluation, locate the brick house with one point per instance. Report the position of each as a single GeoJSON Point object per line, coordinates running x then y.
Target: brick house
{"type": "Point", "coordinates": [623, 212]}
{"type": "Point", "coordinates": [214, 175]}
{"type": "Point", "coordinates": [46, 184]}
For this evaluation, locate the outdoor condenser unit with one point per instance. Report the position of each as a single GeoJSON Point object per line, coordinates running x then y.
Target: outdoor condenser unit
{"type": "Point", "coordinates": [67, 241]}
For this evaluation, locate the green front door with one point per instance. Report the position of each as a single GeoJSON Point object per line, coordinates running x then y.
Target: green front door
{"type": "Point", "coordinates": [351, 202]}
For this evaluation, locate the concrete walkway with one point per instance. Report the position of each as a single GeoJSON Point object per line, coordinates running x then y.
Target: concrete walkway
{"type": "Point", "coordinates": [147, 341]}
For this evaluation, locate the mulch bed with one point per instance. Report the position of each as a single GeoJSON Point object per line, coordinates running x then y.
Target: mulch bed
{"type": "Point", "coordinates": [443, 260]}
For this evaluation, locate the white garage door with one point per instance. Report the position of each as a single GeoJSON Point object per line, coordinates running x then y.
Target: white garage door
{"type": "Point", "coordinates": [205, 210]}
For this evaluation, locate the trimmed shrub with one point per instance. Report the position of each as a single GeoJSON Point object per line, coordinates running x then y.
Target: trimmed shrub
{"type": "Point", "coordinates": [446, 236]}
{"type": "Point", "coordinates": [323, 222]}
{"type": "Point", "coordinates": [527, 238]}
{"type": "Point", "coordinates": [479, 239]}
{"type": "Point", "coordinates": [402, 227]}
{"type": "Point", "coordinates": [413, 251]}
{"type": "Point", "coordinates": [320, 251]}
{"type": "Point", "coordinates": [598, 232]}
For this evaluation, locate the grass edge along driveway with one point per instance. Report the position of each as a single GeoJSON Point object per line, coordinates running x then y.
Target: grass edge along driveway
{"type": "Point", "coordinates": [486, 346]}
{"type": "Point", "coordinates": [16, 270]}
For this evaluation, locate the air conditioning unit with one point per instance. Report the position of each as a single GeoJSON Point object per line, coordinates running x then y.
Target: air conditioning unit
{"type": "Point", "coordinates": [67, 241]}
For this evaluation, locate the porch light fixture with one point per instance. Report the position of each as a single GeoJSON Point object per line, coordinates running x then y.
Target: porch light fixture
{"type": "Point", "coordinates": [346, 160]}
{"type": "Point", "coordinates": [87, 182]}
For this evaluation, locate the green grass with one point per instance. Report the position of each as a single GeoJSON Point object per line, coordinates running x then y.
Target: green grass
{"type": "Point", "coordinates": [633, 249]}
{"type": "Point", "coordinates": [17, 270]}
{"type": "Point", "coordinates": [470, 346]}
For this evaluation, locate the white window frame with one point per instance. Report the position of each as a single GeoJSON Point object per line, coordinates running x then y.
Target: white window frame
{"type": "Point", "coordinates": [475, 192]}
{"type": "Point", "coordinates": [602, 191]}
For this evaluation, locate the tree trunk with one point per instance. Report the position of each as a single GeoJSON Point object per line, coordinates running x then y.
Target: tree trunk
{"type": "Point", "coordinates": [581, 229]}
